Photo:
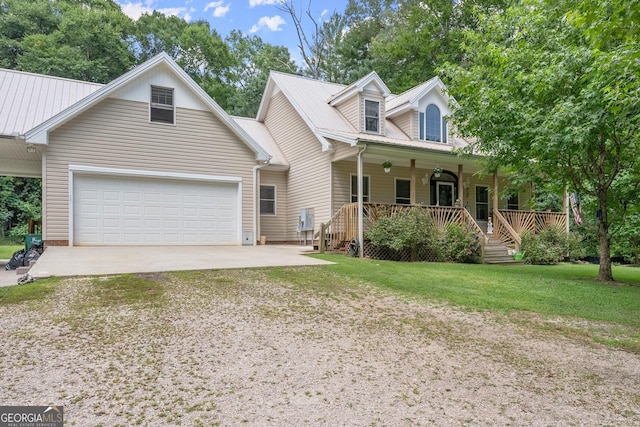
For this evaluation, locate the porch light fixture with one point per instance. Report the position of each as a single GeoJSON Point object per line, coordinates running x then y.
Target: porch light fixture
{"type": "Point", "coordinates": [425, 179]}
{"type": "Point", "coordinates": [31, 149]}
{"type": "Point", "coordinates": [386, 165]}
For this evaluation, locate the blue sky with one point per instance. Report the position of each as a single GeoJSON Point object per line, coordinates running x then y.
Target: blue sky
{"type": "Point", "coordinates": [259, 17]}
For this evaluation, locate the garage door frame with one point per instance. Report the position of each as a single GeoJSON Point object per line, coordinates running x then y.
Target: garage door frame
{"type": "Point", "coordinates": [123, 173]}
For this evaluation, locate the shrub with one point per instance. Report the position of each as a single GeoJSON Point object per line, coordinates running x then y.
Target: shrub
{"type": "Point", "coordinates": [413, 230]}
{"type": "Point", "coordinates": [461, 244]}
{"type": "Point", "coordinates": [550, 246]}
{"type": "Point", "coordinates": [409, 229]}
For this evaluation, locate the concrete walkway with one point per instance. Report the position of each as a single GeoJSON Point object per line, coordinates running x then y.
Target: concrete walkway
{"type": "Point", "coordinates": [83, 261]}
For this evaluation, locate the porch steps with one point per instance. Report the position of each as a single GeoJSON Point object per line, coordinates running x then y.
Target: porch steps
{"type": "Point", "coordinates": [495, 252]}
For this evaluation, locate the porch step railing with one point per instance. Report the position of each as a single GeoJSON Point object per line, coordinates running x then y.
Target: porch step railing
{"type": "Point", "coordinates": [509, 225]}
{"type": "Point", "coordinates": [503, 231]}
{"type": "Point", "coordinates": [336, 234]}
{"type": "Point", "coordinates": [535, 222]}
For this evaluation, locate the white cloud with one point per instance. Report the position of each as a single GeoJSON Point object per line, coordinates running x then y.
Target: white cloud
{"type": "Point", "coordinates": [272, 23]}
{"type": "Point", "coordinates": [254, 3]}
{"type": "Point", "coordinates": [219, 10]}
{"type": "Point", "coordinates": [135, 10]}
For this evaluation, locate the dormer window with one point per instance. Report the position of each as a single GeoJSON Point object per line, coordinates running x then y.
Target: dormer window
{"type": "Point", "coordinates": [371, 116]}
{"type": "Point", "coordinates": [433, 126]}
{"type": "Point", "coordinates": [162, 107]}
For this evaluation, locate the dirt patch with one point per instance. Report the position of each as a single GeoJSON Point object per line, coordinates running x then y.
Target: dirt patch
{"type": "Point", "coordinates": [236, 348]}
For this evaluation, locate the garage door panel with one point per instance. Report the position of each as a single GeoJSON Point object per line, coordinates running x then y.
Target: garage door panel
{"type": "Point", "coordinates": [132, 211]}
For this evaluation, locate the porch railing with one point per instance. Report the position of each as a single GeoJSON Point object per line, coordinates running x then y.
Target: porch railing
{"type": "Point", "coordinates": [503, 231]}
{"type": "Point", "coordinates": [522, 221]}
{"type": "Point", "coordinates": [343, 227]}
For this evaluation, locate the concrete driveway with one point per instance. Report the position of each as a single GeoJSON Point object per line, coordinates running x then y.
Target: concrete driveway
{"type": "Point", "coordinates": [81, 261]}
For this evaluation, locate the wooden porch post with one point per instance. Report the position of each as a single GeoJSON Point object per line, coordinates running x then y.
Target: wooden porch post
{"type": "Point", "coordinates": [495, 190]}
{"type": "Point", "coordinates": [460, 186]}
{"type": "Point", "coordinates": [412, 182]}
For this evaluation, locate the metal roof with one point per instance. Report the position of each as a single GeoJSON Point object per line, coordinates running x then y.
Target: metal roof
{"type": "Point", "coordinates": [259, 132]}
{"type": "Point", "coordinates": [310, 99]}
{"type": "Point", "coordinates": [27, 99]}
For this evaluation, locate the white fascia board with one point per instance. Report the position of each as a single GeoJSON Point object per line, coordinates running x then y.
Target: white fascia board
{"type": "Point", "coordinates": [345, 95]}
{"type": "Point", "coordinates": [402, 108]}
{"type": "Point", "coordinates": [337, 137]}
{"type": "Point", "coordinates": [40, 134]}
{"type": "Point", "coordinates": [266, 99]}
{"type": "Point", "coordinates": [153, 174]}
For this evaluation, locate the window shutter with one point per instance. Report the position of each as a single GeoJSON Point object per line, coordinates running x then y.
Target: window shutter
{"type": "Point", "coordinates": [421, 120]}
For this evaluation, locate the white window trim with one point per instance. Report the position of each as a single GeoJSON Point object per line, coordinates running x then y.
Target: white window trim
{"type": "Point", "coordinates": [162, 106]}
{"type": "Point", "coordinates": [353, 194]}
{"type": "Point", "coordinates": [395, 190]}
{"type": "Point", "coordinates": [444, 130]}
{"type": "Point", "coordinates": [488, 202]}
{"type": "Point", "coordinates": [364, 125]}
{"type": "Point", "coordinates": [448, 184]}
{"type": "Point", "coordinates": [275, 200]}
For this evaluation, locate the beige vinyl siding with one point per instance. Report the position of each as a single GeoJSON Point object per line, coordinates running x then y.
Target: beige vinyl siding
{"type": "Point", "coordinates": [117, 134]}
{"type": "Point", "coordinates": [350, 109]}
{"type": "Point", "coordinates": [406, 123]}
{"type": "Point", "coordinates": [372, 96]}
{"type": "Point", "coordinates": [309, 173]}
{"type": "Point", "coordinates": [275, 227]}
{"type": "Point", "coordinates": [382, 185]}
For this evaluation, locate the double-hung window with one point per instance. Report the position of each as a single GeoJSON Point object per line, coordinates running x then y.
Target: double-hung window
{"type": "Point", "coordinates": [267, 200]}
{"type": "Point", "coordinates": [162, 106]}
{"type": "Point", "coordinates": [371, 116]}
{"type": "Point", "coordinates": [354, 188]}
{"type": "Point", "coordinates": [403, 191]}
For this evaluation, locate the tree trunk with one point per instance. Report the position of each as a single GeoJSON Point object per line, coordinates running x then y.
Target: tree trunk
{"type": "Point", "coordinates": [604, 273]}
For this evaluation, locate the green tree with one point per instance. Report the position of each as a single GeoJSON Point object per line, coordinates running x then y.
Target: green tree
{"type": "Point", "coordinates": [155, 33]}
{"type": "Point", "coordinates": [20, 200]}
{"type": "Point", "coordinates": [20, 18]}
{"type": "Point", "coordinates": [83, 40]}
{"type": "Point", "coordinates": [364, 20]}
{"type": "Point", "coordinates": [252, 60]}
{"type": "Point", "coordinates": [418, 36]}
{"type": "Point", "coordinates": [541, 96]}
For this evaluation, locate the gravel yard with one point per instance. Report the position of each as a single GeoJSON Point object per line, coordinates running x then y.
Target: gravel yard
{"type": "Point", "coordinates": [237, 347]}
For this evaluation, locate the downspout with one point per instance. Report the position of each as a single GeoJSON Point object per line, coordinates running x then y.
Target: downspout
{"type": "Point", "coordinates": [255, 200]}
{"type": "Point", "coordinates": [360, 205]}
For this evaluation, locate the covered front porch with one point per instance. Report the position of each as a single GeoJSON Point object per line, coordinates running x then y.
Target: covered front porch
{"type": "Point", "coordinates": [507, 228]}
{"type": "Point", "coordinates": [449, 187]}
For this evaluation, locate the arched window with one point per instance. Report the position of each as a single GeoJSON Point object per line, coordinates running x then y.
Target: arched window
{"type": "Point", "coordinates": [432, 123]}
{"type": "Point", "coordinates": [433, 126]}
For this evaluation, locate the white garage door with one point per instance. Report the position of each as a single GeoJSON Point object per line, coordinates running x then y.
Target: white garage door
{"type": "Point", "coordinates": [110, 210]}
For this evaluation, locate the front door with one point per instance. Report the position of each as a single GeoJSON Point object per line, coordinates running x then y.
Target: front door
{"type": "Point", "coordinates": [444, 190]}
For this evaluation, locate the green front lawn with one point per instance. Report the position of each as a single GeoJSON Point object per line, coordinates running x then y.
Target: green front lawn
{"type": "Point", "coordinates": [563, 290]}
{"type": "Point", "coordinates": [541, 294]}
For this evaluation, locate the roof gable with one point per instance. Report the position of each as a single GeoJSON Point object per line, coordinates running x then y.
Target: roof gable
{"type": "Point", "coordinates": [410, 99]}
{"type": "Point", "coordinates": [40, 133]}
{"type": "Point", "coordinates": [369, 82]}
